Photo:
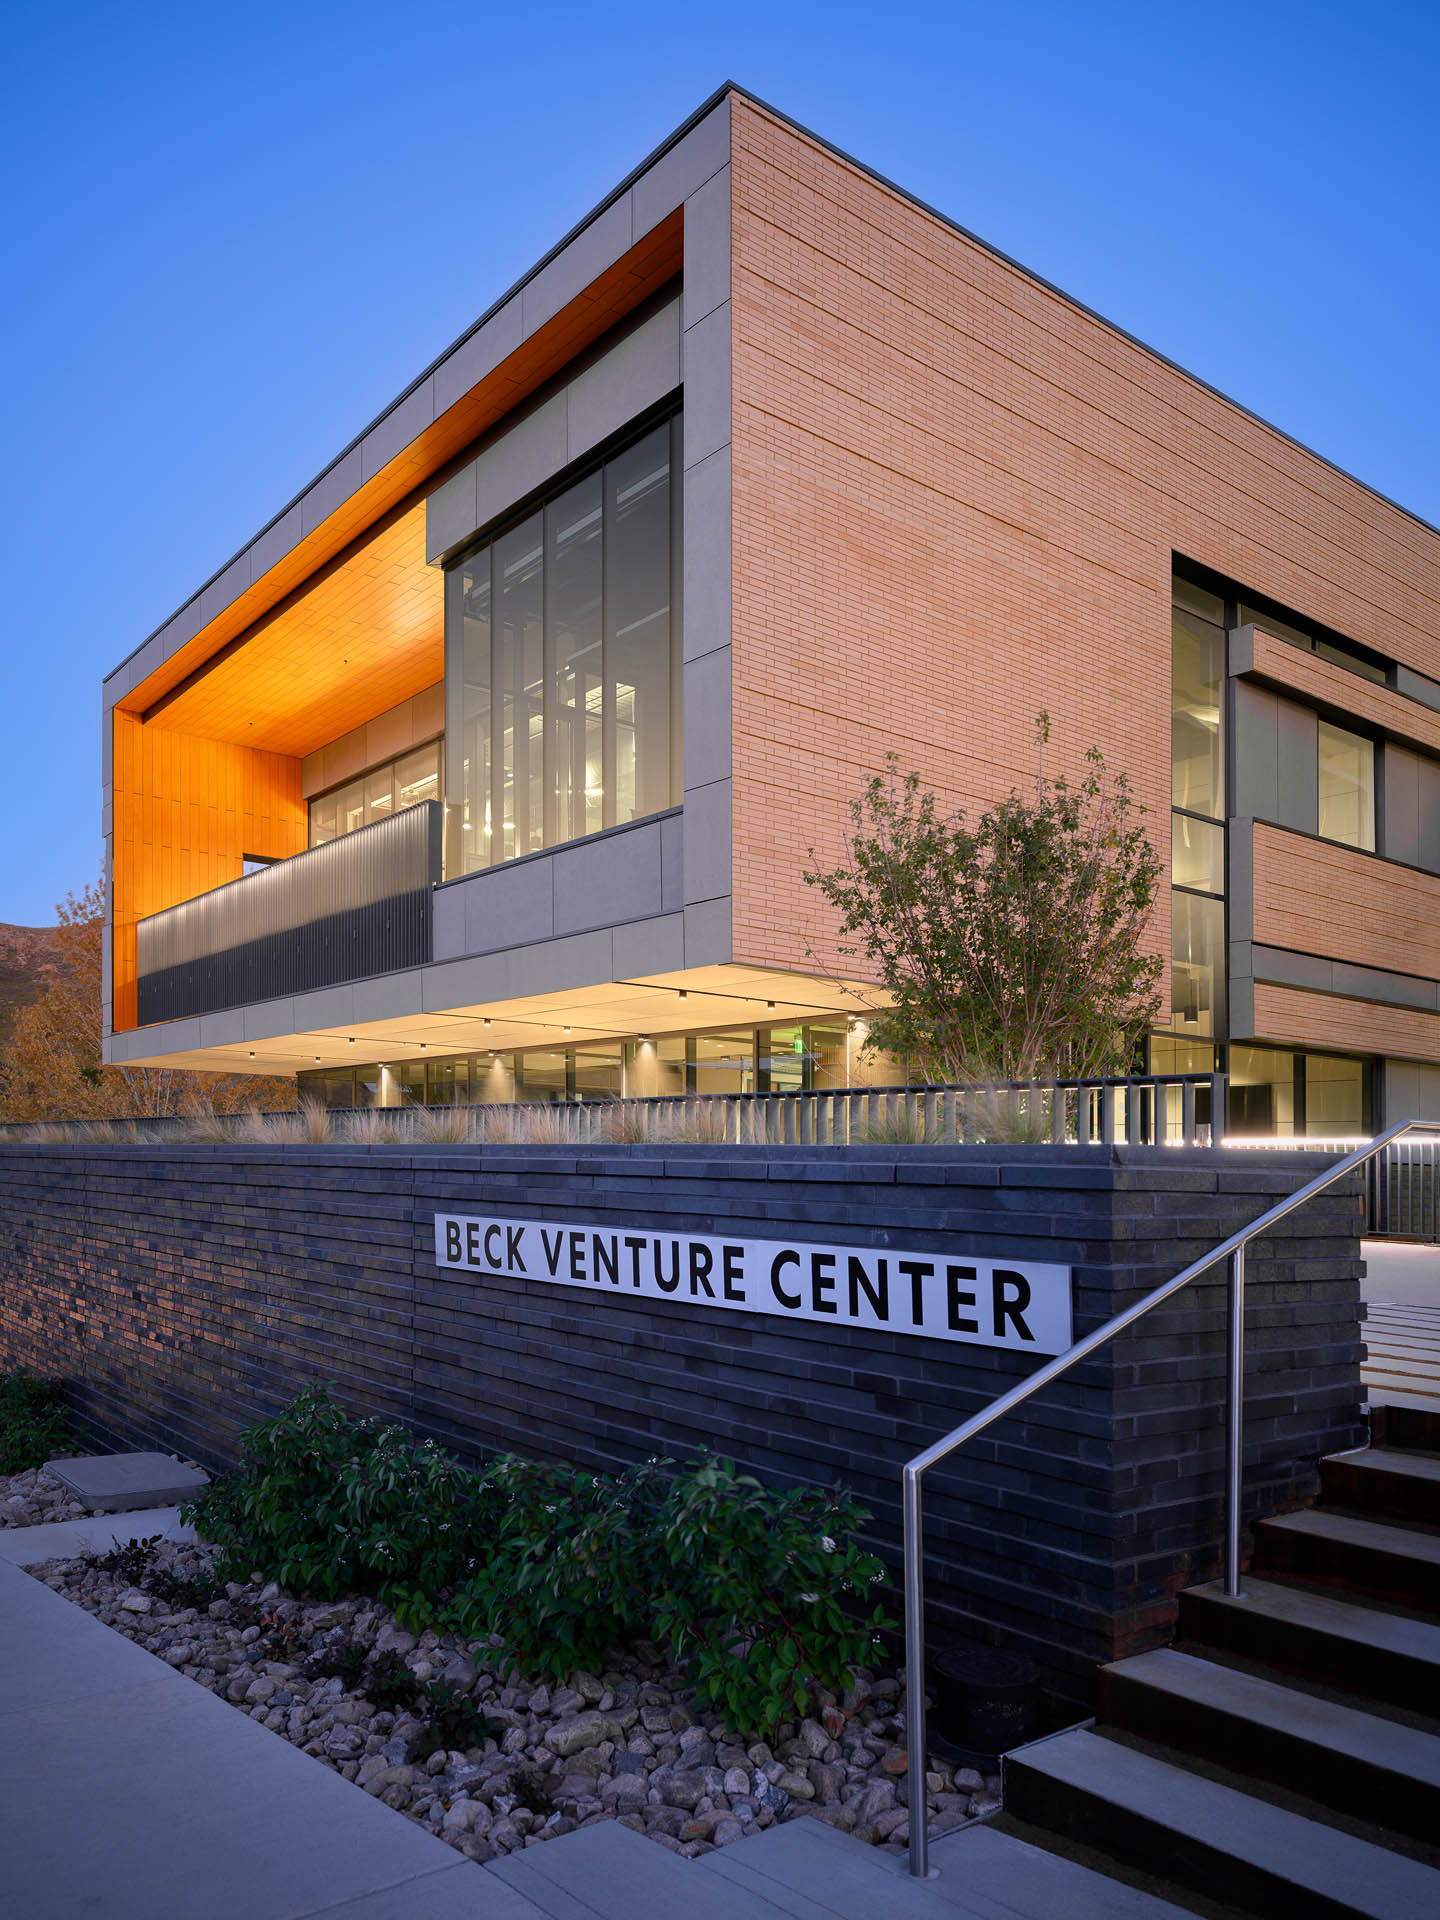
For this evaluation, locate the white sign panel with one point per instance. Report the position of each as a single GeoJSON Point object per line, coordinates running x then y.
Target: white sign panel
{"type": "Point", "coordinates": [1020, 1304]}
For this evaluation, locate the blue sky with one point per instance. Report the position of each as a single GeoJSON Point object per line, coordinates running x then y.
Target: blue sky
{"type": "Point", "coordinates": [232, 234]}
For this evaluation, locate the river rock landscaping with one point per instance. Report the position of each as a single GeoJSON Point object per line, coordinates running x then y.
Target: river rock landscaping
{"type": "Point", "coordinates": [438, 1727]}
{"type": "Point", "coordinates": [36, 1498]}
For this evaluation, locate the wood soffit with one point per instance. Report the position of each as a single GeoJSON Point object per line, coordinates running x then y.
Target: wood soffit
{"type": "Point", "coordinates": [649, 265]}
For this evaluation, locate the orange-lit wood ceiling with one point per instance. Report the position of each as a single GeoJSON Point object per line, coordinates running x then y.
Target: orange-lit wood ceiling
{"type": "Point", "coordinates": [649, 265]}
{"type": "Point", "coordinates": [365, 634]}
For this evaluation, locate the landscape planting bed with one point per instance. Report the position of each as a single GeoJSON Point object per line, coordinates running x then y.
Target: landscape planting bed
{"type": "Point", "coordinates": [36, 1498]}
{"type": "Point", "coordinates": [624, 1744]}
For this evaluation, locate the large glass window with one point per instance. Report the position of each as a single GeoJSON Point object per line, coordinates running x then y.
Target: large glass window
{"type": "Point", "coordinates": [1196, 731]}
{"type": "Point", "coordinates": [1197, 966]}
{"type": "Point", "coordinates": [1347, 787]}
{"type": "Point", "coordinates": [560, 676]}
{"type": "Point", "coordinates": [386, 789]}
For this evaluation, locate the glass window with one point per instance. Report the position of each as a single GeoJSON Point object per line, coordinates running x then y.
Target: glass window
{"type": "Point", "coordinates": [1199, 600]}
{"type": "Point", "coordinates": [417, 776]}
{"type": "Point", "coordinates": [655, 1068]}
{"type": "Point", "coordinates": [1347, 787]}
{"type": "Point", "coordinates": [829, 1054]}
{"type": "Point", "coordinates": [724, 1063]}
{"type": "Point", "coordinates": [492, 1077]}
{"type": "Point", "coordinates": [409, 1083]}
{"type": "Point", "coordinates": [379, 794]}
{"type": "Point", "coordinates": [637, 575]}
{"type": "Point", "coordinates": [1169, 1055]}
{"type": "Point", "coordinates": [782, 1060]}
{"type": "Point", "coordinates": [386, 789]}
{"type": "Point", "coordinates": [520, 687]}
{"type": "Point", "coordinates": [559, 678]}
{"type": "Point", "coordinates": [1196, 743]}
{"type": "Point", "coordinates": [574, 584]}
{"type": "Point", "coordinates": [448, 1083]}
{"type": "Point", "coordinates": [1197, 966]}
{"type": "Point", "coordinates": [1197, 854]}
{"type": "Point", "coordinates": [1334, 1095]}
{"type": "Point", "coordinates": [541, 1074]}
{"type": "Point", "coordinates": [596, 1073]}
{"type": "Point", "coordinates": [1262, 1091]}
{"type": "Point", "coordinates": [468, 715]}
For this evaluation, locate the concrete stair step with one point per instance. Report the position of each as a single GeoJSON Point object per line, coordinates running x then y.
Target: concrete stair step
{"type": "Point", "coordinates": [1354, 1552]}
{"type": "Point", "coordinates": [1375, 1769]}
{"type": "Point", "coordinates": [1384, 1481]}
{"type": "Point", "coordinates": [982, 1875]}
{"type": "Point", "coordinates": [611, 1872]}
{"type": "Point", "coordinates": [1360, 1649]}
{"type": "Point", "coordinates": [1215, 1839]}
{"type": "Point", "coordinates": [1415, 1429]}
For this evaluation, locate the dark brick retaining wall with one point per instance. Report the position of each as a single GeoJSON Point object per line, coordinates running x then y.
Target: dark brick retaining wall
{"type": "Point", "coordinates": [182, 1291]}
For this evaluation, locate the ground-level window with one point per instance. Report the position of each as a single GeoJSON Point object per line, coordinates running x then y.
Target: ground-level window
{"type": "Point", "coordinates": [1274, 1090]}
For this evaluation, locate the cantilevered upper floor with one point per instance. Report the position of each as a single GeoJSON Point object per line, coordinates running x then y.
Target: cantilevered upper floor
{"type": "Point", "coordinates": [518, 728]}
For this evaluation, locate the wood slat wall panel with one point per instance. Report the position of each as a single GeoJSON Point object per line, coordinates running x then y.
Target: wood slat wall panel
{"type": "Point", "coordinates": [186, 812]}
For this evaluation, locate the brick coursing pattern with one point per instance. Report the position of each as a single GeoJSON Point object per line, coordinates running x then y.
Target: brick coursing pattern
{"type": "Point", "coordinates": [182, 1292]}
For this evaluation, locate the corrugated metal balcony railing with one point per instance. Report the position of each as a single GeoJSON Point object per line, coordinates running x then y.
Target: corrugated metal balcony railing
{"type": "Point", "coordinates": [358, 906]}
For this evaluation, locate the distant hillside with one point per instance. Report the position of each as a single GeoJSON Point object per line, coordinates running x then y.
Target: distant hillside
{"type": "Point", "coordinates": [27, 961]}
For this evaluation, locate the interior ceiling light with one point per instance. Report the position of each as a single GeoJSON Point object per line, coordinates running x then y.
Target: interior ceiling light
{"type": "Point", "coordinates": [684, 995]}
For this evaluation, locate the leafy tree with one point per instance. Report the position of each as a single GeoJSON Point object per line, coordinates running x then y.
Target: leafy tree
{"type": "Point", "coordinates": [1010, 951]}
{"type": "Point", "coordinates": [51, 1069]}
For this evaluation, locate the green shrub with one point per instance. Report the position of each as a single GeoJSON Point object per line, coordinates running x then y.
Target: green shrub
{"type": "Point", "coordinates": [759, 1596]}
{"type": "Point", "coordinates": [327, 1505]}
{"type": "Point", "coordinates": [33, 1427]}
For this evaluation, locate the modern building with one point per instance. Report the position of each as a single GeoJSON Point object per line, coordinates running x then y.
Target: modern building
{"type": "Point", "coordinates": [489, 768]}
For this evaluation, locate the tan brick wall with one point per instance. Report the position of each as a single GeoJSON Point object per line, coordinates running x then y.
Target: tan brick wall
{"type": "Point", "coordinates": [955, 502]}
{"type": "Point", "coordinates": [1292, 1018]}
{"type": "Point", "coordinates": [1319, 681]}
{"type": "Point", "coordinates": [1314, 897]}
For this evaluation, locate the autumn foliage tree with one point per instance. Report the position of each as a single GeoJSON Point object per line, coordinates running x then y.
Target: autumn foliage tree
{"type": "Point", "coordinates": [51, 1069]}
{"type": "Point", "coordinates": [1012, 950]}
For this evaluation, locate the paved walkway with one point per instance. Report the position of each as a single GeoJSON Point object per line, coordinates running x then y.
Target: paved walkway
{"type": "Point", "coordinates": [129, 1793]}
{"type": "Point", "coordinates": [1402, 1289]}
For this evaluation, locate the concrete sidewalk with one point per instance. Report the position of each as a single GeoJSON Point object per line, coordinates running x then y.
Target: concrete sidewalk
{"type": "Point", "coordinates": [129, 1793]}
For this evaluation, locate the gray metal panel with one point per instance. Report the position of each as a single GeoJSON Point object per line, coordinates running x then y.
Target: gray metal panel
{"type": "Point", "coordinates": [1285, 969]}
{"type": "Point", "coordinates": [606, 881]}
{"type": "Point", "coordinates": [389, 995]}
{"type": "Point", "coordinates": [1241, 1009]}
{"type": "Point", "coordinates": [581, 960]}
{"type": "Point", "coordinates": [1240, 884]}
{"type": "Point", "coordinates": [1240, 650]}
{"type": "Point", "coordinates": [328, 1007]}
{"type": "Point", "coordinates": [504, 906]}
{"type": "Point", "coordinates": [640, 369]}
{"type": "Point", "coordinates": [649, 946]}
{"type": "Point", "coordinates": [521, 460]}
{"type": "Point", "coordinates": [232, 583]}
{"type": "Point", "coordinates": [686, 166]}
{"type": "Point", "coordinates": [1427, 813]}
{"type": "Point", "coordinates": [709, 933]}
{"type": "Point", "coordinates": [330, 491]}
{"type": "Point", "coordinates": [706, 504]}
{"type": "Point", "coordinates": [708, 836]}
{"type": "Point", "coordinates": [1401, 812]}
{"type": "Point", "coordinates": [450, 513]}
{"type": "Point", "coordinates": [277, 541]}
{"type": "Point", "coordinates": [595, 248]}
{"type": "Point", "coordinates": [222, 1029]}
{"type": "Point", "coordinates": [478, 356]}
{"type": "Point", "coordinates": [395, 430]}
{"type": "Point", "coordinates": [1418, 686]}
{"type": "Point", "coordinates": [1407, 1090]}
{"type": "Point", "coordinates": [672, 863]}
{"type": "Point", "coordinates": [1390, 989]}
{"type": "Point", "coordinates": [1298, 768]}
{"type": "Point", "coordinates": [475, 982]}
{"type": "Point", "coordinates": [707, 384]}
{"type": "Point", "coordinates": [1257, 752]}
{"type": "Point", "coordinates": [707, 247]}
{"type": "Point", "coordinates": [707, 718]}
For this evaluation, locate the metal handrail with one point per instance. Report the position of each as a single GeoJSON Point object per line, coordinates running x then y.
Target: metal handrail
{"type": "Point", "coordinates": [1233, 1249]}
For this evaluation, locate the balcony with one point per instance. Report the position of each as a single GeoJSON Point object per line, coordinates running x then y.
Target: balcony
{"type": "Point", "coordinates": [359, 906]}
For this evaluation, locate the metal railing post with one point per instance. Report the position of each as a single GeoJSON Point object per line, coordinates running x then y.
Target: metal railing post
{"type": "Point", "coordinates": [915, 1741]}
{"type": "Point", "coordinates": [1235, 1423]}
